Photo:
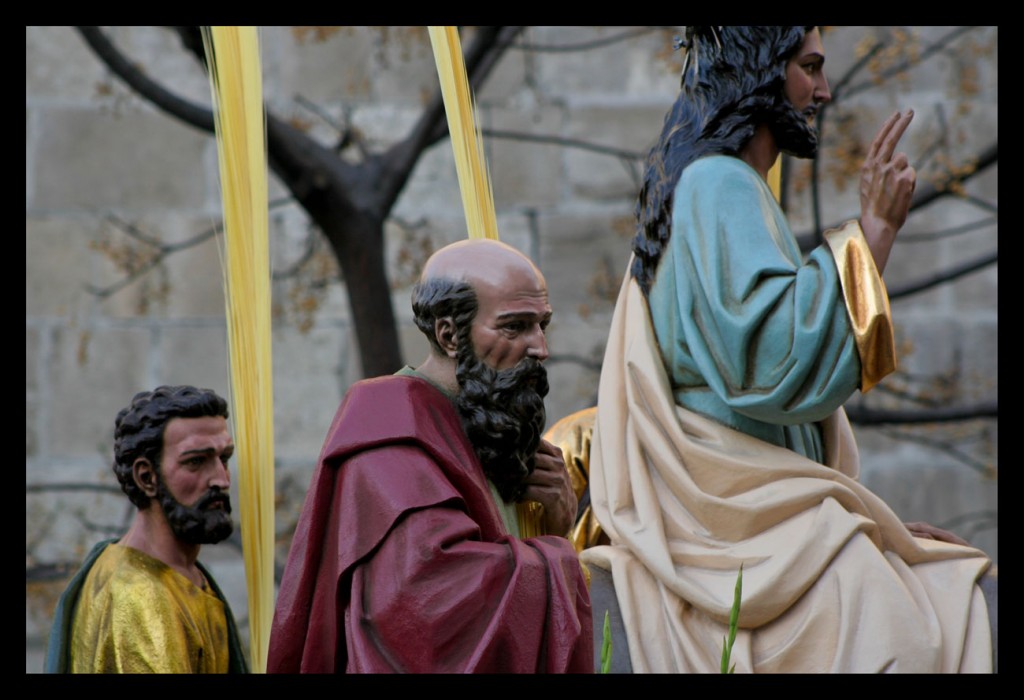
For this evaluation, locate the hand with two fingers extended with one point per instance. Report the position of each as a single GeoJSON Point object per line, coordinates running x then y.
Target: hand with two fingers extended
{"type": "Point", "coordinates": [887, 185]}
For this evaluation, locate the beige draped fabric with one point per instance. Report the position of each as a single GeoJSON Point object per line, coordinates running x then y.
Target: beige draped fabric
{"type": "Point", "coordinates": [832, 580]}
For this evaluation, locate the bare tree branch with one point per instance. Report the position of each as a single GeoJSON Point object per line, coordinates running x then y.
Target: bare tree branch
{"type": "Point", "coordinates": [349, 202]}
{"type": "Point", "coordinates": [979, 202]}
{"type": "Point", "coordinates": [940, 141]}
{"type": "Point", "coordinates": [947, 448]}
{"type": "Point", "coordinates": [489, 44]}
{"type": "Point", "coordinates": [842, 89]}
{"type": "Point", "coordinates": [163, 250]}
{"type": "Point", "coordinates": [307, 254]}
{"type": "Point", "coordinates": [949, 414]}
{"type": "Point", "coordinates": [919, 398]}
{"type": "Point", "coordinates": [567, 142]}
{"type": "Point", "coordinates": [930, 192]}
{"type": "Point", "coordinates": [321, 113]}
{"type": "Point", "coordinates": [926, 236]}
{"type": "Point", "coordinates": [587, 45]}
{"type": "Point", "coordinates": [161, 97]}
{"type": "Point", "coordinates": [925, 195]}
{"type": "Point", "coordinates": [134, 231]}
{"type": "Point", "coordinates": [816, 236]}
{"type": "Point", "coordinates": [938, 45]}
{"type": "Point", "coordinates": [839, 88]}
{"type": "Point", "coordinates": [944, 276]}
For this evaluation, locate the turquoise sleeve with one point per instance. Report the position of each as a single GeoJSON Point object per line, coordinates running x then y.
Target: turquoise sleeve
{"type": "Point", "coordinates": [734, 306]}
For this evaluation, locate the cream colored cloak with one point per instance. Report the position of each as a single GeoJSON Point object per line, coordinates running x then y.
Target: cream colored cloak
{"type": "Point", "coordinates": [832, 580]}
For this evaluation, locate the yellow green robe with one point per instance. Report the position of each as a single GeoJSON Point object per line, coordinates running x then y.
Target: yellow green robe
{"type": "Point", "coordinates": [127, 612]}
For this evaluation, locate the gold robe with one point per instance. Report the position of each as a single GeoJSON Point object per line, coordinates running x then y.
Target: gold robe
{"type": "Point", "coordinates": [138, 615]}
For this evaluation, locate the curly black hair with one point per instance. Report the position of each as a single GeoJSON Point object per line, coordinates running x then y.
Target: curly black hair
{"type": "Point", "coordinates": [139, 428]}
{"type": "Point", "coordinates": [438, 297]}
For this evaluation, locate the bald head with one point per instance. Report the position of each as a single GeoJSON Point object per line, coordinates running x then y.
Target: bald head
{"type": "Point", "coordinates": [478, 260]}
{"type": "Point", "coordinates": [492, 286]}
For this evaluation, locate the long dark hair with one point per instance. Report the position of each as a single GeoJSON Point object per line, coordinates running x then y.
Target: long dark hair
{"type": "Point", "coordinates": [732, 81]}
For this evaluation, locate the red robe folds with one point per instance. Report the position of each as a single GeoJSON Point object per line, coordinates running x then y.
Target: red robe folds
{"type": "Point", "coordinates": [400, 561]}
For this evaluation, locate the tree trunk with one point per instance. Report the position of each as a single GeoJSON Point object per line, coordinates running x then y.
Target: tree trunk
{"type": "Point", "coordinates": [360, 252]}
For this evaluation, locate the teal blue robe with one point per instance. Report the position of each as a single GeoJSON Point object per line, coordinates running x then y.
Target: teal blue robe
{"type": "Point", "coordinates": [751, 335]}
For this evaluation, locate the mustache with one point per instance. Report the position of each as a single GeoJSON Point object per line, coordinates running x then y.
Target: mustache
{"type": "Point", "coordinates": [215, 497]}
{"type": "Point", "coordinates": [529, 372]}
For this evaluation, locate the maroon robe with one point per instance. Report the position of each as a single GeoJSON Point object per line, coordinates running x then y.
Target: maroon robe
{"type": "Point", "coordinates": [401, 562]}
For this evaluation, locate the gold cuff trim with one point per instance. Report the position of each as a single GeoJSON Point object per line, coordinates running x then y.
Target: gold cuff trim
{"type": "Point", "coordinates": [867, 302]}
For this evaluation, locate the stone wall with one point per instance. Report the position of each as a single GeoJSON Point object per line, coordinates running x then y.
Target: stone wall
{"type": "Point", "coordinates": [97, 155]}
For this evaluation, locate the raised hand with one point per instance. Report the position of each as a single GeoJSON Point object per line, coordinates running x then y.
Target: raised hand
{"type": "Point", "coordinates": [887, 184]}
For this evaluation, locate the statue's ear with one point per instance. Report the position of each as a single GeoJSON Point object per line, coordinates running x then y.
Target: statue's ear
{"type": "Point", "coordinates": [444, 332]}
{"type": "Point", "coordinates": [144, 474]}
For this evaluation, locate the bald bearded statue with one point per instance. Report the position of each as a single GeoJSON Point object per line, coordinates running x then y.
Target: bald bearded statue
{"type": "Point", "coordinates": [406, 556]}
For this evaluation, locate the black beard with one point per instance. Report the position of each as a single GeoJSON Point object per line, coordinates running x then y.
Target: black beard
{"type": "Point", "coordinates": [197, 524]}
{"type": "Point", "coordinates": [502, 412]}
{"type": "Point", "coordinates": [793, 133]}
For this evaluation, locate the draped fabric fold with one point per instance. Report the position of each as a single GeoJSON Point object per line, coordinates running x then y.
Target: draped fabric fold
{"type": "Point", "coordinates": [401, 562]}
{"type": "Point", "coordinates": [832, 580]}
